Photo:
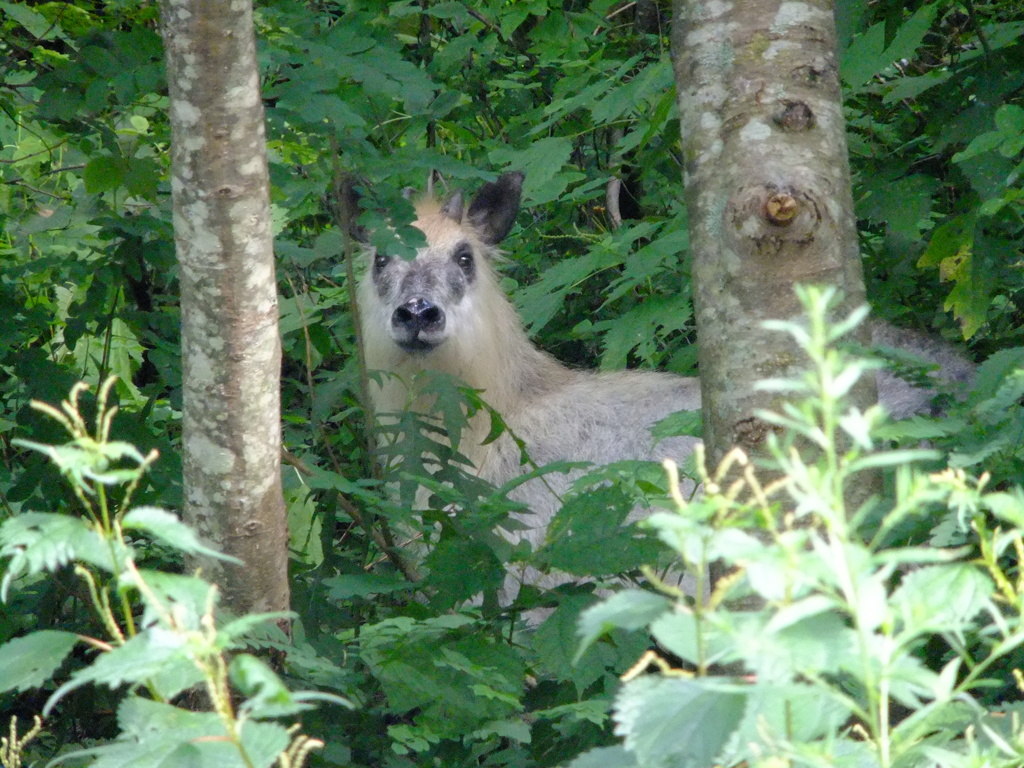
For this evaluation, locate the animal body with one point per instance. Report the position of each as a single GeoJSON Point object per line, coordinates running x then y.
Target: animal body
{"type": "Point", "coordinates": [445, 311]}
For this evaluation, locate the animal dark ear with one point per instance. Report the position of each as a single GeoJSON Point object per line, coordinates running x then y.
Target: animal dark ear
{"type": "Point", "coordinates": [493, 210]}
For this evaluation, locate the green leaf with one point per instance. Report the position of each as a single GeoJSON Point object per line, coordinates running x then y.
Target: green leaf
{"type": "Point", "coordinates": [34, 23]}
{"type": "Point", "coordinates": [653, 80]}
{"type": "Point", "coordinates": [39, 541]}
{"type": "Point", "coordinates": [1008, 506]}
{"type": "Point", "coordinates": [157, 734]}
{"type": "Point", "coordinates": [267, 695]}
{"type": "Point", "coordinates": [797, 713]}
{"type": "Point", "coordinates": [347, 586]}
{"type": "Point", "coordinates": [995, 369]}
{"type": "Point", "coordinates": [641, 328]}
{"type": "Point", "coordinates": [157, 656]}
{"type": "Point", "coordinates": [687, 423]}
{"type": "Point", "coordinates": [539, 302]}
{"type": "Point", "coordinates": [448, 10]}
{"type": "Point", "coordinates": [1010, 120]}
{"type": "Point", "coordinates": [912, 87]}
{"type": "Point", "coordinates": [461, 568]}
{"type": "Point", "coordinates": [103, 173]}
{"type": "Point", "coordinates": [305, 527]}
{"type": "Point", "coordinates": [815, 645]}
{"type": "Point", "coordinates": [555, 644]}
{"type": "Point", "coordinates": [514, 729]}
{"type": "Point", "coordinates": [628, 609]}
{"type": "Point", "coordinates": [605, 757]}
{"type": "Point", "coordinates": [192, 597]}
{"type": "Point", "coordinates": [677, 722]}
{"type": "Point", "coordinates": [29, 661]}
{"type": "Point", "coordinates": [84, 460]}
{"type": "Point", "coordinates": [679, 633]}
{"type": "Point", "coordinates": [167, 528]}
{"type": "Point", "coordinates": [589, 537]}
{"type": "Point", "coordinates": [985, 142]}
{"type": "Point", "coordinates": [432, 667]}
{"type": "Point", "coordinates": [868, 55]}
{"type": "Point", "coordinates": [542, 163]}
{"type": "Point", "coordinates": [941, 598]}
{"type": "Point", "coordinates": [142, 177]}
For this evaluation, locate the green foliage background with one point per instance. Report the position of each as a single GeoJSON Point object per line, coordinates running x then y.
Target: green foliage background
{"type": "Point", "coordinates": [570, 92]}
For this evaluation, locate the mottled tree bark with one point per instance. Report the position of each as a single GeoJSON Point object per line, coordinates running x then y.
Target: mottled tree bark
{"type": "Point", "coordinates": [767, 193]}
{"type": "Point", "coordinates": [230, 344]}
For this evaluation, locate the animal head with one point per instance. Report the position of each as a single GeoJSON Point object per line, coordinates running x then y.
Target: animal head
{"type": "Point", "coordinates": [444, 308]}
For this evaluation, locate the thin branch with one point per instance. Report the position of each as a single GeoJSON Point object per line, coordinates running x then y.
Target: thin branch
{"type": "Point", "coordinates": [44, 151]}
{"type": "Point", "coordinates": [385, 542]}
{"type": "Point", "coordinates": [481, 18]}
{"type": "Point", "coordinates": [20, 183]}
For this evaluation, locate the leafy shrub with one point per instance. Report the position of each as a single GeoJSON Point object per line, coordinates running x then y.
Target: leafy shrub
{"type": "Point", "coordinates": [829, 669]}
{"type": "Point", "coordinates": [161, 632]}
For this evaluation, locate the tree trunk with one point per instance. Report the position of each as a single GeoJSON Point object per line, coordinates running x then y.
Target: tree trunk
{"type": "Point", "coordinates": [767, 194]}
{"type": "Point", "coordinates": [230, 344]}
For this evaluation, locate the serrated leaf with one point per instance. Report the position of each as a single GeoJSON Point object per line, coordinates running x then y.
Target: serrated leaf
{"type": "Point", "coordinates": [675, 722]}
{"type": "Point", "coordinates": [678, 633]}
{"type": "Point", "coordinates": [167, 528]}
{"type": "Point", "coordinates": [267, 695]}
{"type": "Point", "coordinates": [85, 459]}
{"type": "Point", "coordinates": [461, 568]}
{"type": "Point", "coordinates": [40, 541]}
{"type": "Point", "coordinates": [589, 537]}
{"type": "Point", "coordinates": [589, 710]}
{"type": "Point", "coordinates": [868, 55]}
{"type": "Point", "coordinates": [515, 730]}
{"type": "Point", "coordinates": [605, 757]}
{"type": "Point", "coordinates": [920, 428]}
{"type": "Point", "coordinates": [1007, 505]}
{"type": "Point", "coordinates": [157, 653]}
{"type": "Point", "coordinates": [641, 327]}
{"type": "Point", "coordinates": [428, 666]}
{"type": "Point", "coordinates": [191, 597]}
{"type": "Point", "coordinates": [629, 609]}
{"type": "Point", "coordinates": [29, 661]}
{"type": "Point", "coordinates": [653, 80]}
{"type": "Point", "coordinates": [347, 586]}
{"type": "Point", "coordinates": [815, 645]}
{"type": "Point", "coordinates": [687, 423]}
{"type": "Point", "coordinates": [995, 369]}
{"type": "Point", "coordinates": [540, 301]}
{"type": "Point", "coordinates": [795, 712]}
{"type": "Point", "coordinates": [160, 735]}
{"type": "Point", "coordinates": [102, 174]}
{"type": "Point", "coordinates": [904, 203]}
{"type": "Point", "coordinates": [542, 161]}
{"type": "Point", "coordinates": [940, 597]}
{"type": "Point", "coordinates": [556, 646]}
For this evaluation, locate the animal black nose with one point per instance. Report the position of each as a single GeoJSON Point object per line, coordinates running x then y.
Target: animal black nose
{"type": "Point", "coordinates": [419, 315]}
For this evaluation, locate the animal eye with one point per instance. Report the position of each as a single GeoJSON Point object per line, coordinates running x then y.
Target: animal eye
{"type": "Point", "coordinates": [464, 258]}
{"type": "Point", "coordinates": [380, 261]}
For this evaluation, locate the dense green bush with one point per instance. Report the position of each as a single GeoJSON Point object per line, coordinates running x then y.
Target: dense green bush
{"type": "Point", "coordinates": [834, 672]}
{"type": "Point", "coordinates": [153, 631]}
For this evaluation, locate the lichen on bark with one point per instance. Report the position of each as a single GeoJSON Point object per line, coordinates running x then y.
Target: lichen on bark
{"type": "Point", "coordinates": [767, 190]}
{"type": "Point", "coordinates": [230, 344]}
